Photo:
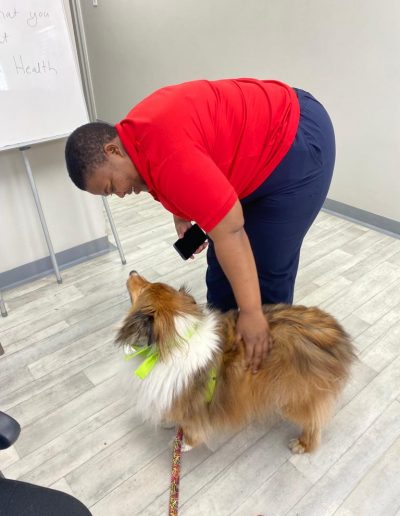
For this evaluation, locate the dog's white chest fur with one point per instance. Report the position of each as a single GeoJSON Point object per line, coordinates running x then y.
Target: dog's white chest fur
{"type": "Point", "coordinates": [155, 393]}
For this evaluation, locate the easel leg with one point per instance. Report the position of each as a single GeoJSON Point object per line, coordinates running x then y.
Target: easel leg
{"type": "Point", "coordinates": [2, 306]}
{"type": "Point", "coordinates": [41, 214]}
{"type": "Point", "coordinates": [114, 230]}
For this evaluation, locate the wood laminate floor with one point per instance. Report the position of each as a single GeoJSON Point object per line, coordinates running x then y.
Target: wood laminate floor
{"type": "Point", "coordinates": [58, 377]}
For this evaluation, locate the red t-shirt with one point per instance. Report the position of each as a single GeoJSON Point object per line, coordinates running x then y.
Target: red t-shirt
{"type": "Point", "coordinates": [201, 145]}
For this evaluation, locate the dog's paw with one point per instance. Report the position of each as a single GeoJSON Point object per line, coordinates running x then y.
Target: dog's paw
{"type": "Point", "coordinates": [297, 446]}
{"type": "Point", "coordinates": [186, 447]}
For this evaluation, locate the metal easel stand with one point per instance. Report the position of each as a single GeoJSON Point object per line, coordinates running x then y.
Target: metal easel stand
{"type": "Point", "coordinates": [3, 308]}
{"type": "Point", "coordinates": [41, 214]}
{"type": "Point", "coordinates": [114, 230]}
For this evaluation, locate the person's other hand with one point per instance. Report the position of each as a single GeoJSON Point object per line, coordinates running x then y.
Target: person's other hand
{"type": "Point", "coordinates": [253, 328]}
{"type": "Point", "coordinates": [181, 226]}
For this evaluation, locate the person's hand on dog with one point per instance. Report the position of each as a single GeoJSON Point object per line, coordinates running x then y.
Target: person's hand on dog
{"type": "Point", "coordinates": [253, 328]}
{"type": "Point", "coordinates": [181, 226]}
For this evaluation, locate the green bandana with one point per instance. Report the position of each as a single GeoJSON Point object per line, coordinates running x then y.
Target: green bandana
{"type": "Point", "coordinates": [210, 387]}
{"type": "Point", "coordinates": [150, 355]}
{"type": "Point", "coordinates": [150, 359]}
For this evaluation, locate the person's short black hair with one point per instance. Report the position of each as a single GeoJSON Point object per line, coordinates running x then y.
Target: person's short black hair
{"type": "Point", "coordinates": [84, 150]}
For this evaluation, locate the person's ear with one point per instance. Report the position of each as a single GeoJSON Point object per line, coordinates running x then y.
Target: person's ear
{"type": "Point", "coordinates": [113, 148]}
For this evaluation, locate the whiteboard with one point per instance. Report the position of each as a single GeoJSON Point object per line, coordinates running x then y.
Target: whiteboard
{"type": "Point", "coordinates": [41, 96]}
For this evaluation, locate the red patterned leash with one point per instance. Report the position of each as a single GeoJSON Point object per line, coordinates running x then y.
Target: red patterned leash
{"type": "Point", "coordinates": [175, 474]}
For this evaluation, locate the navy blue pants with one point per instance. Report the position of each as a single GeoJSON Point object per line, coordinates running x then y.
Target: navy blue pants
{"type": "Point", "coordinates": [279, 213]}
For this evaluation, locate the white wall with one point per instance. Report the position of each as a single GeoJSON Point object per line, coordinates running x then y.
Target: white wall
{"type": "Point", "coordinates": [73, 217]}
{"type": "Point", "coordinates": [344, 52]}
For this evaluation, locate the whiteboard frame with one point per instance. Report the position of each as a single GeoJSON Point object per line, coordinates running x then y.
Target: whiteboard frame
{"type": "Point", "coordinates": [19, 146]}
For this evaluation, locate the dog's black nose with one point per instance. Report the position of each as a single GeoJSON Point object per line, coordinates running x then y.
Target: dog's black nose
{"type": "Point", "coordinates": [132, 273]}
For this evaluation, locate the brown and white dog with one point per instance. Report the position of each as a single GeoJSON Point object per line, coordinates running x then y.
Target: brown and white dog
{"type": "Point", "coordinates": [303, 374]}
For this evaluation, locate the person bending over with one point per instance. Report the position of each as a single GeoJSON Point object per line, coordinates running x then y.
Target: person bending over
{"type": "Point", "coordinates": [250, 161]}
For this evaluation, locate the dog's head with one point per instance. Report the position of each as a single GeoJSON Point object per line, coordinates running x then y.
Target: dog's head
{"type": "Point", "coordinates": [153, 315]}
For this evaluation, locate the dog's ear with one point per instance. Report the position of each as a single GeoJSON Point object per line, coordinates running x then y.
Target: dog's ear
{"type": "Point", "coordinates": [137, 327]}
{"type": "Point", "coordinates": [164, 331]}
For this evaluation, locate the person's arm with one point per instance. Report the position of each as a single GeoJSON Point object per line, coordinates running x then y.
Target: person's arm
{"type": "Point", "coordinates": [235, 256]}
{"type": "Point", "coordinates": [190, 180]}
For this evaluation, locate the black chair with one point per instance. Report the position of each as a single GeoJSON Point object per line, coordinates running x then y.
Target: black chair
{"type": "Point", "coordinates": [23, 499]}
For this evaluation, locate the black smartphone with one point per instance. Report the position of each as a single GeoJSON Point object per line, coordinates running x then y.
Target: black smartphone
{"type": "Point", "coordinates": [192, 239]}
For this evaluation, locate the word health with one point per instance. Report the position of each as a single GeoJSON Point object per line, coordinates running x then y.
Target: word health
{"type": "Point", "coordinates": [39, 67]}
